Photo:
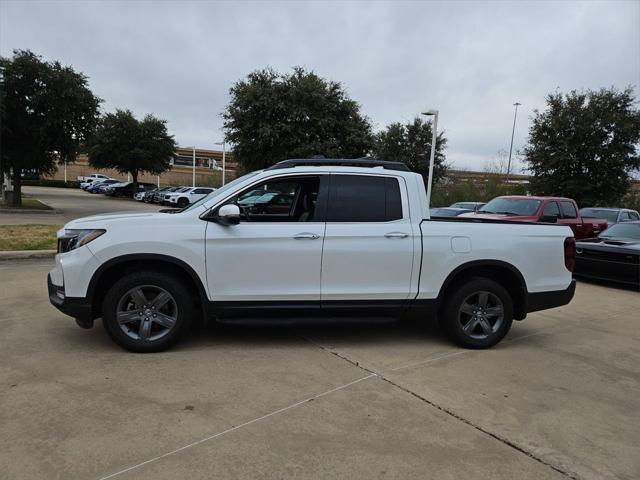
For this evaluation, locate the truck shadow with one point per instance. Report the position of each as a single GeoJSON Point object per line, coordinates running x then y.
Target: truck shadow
{"type": "Point", "coordinates": [324, 332]}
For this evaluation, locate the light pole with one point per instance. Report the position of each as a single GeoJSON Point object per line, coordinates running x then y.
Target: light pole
{"type": "Point", "coordinates": [224, 157]}
{"type": "Point", "coordinates": [513, 130]}
{"type": "Point", "coordinates": [193, 175]}
{"type": "Point", "coordinates": [434, 134]}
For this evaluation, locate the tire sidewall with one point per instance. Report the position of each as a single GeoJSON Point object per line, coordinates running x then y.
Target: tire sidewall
{"type": "Point", "coordinates": [454, 301]}
{"type": "Point", "coordinates": [174, 287]}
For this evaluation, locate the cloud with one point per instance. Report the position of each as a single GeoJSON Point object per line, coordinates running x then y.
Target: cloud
{"type": "Point", "coordinates": [471, 60]}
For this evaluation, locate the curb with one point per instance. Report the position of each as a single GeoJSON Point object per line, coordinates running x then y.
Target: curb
{"type": "Point", "coordinates": [27, 210]}
{"type": "Point", "coordinates": [26, 254]}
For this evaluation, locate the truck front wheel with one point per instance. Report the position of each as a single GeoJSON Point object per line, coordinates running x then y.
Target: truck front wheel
{"type": "Point", "coordinates": [146, 311]}
{"type": "Point", "coordinates": [477, 313]}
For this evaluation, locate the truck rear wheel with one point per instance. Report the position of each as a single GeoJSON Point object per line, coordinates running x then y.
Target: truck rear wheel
{"type": "Point", "coordinates": [146, 311]}
{"type": "Point", "coordinates": [478, 313]}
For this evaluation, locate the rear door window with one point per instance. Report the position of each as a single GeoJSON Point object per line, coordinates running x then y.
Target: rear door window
{"type": "Point", "coordinates": [568, 210]}
{"type": "Point", "coordinates": [364, 198]}
{"type": "Point", "coordinates": [551, 208]}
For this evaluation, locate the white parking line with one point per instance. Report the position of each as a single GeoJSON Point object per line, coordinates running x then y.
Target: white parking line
{"type": "Point", "coordinates": [228, 430]}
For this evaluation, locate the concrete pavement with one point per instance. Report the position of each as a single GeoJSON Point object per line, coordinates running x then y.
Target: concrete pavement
{"type": "Point", "coordinates": [71, 203]}
{"type": "Point", "coordinates": [558, 399]}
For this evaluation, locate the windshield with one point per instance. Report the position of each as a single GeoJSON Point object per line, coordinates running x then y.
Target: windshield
{"type": "Point", "coordinates": [622, 230]}
{"type": "Point", "coordinates": [608, 215]}
{"type": "Point", "coordinates": [222, 190]}
{"type": "Point", "coordinates": [512, 206]}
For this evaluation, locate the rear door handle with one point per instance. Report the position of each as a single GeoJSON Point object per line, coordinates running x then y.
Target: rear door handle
{"type": "Point", "coordinates": [306, 236]}
{"type": "Point", "coordinates": [396, 235]}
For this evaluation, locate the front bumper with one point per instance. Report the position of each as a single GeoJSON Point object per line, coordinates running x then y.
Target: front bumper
{"type": "Point", "coordinates": [76, 307]}
{"type": "Point", "coordinates": [545, 300]}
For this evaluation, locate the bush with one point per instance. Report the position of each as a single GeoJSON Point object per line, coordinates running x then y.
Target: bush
{"type": "Point", "coordinates": [631, 200]}
{"type": "Point", "coordinates": [50, 183]}
{"type": "Point", "coordinates": [445, 195]}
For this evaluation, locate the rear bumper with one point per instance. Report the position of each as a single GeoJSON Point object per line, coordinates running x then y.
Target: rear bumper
{"type": "Point", "coordinates": [76, 307]}
{"type": "Point", "coordinates": [545, 300]}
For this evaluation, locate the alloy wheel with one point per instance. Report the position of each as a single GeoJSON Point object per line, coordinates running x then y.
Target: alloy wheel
{"type": "Point", "coordinates": [147, 313]}
{"type": "Point", "coordinates": [481, 315]}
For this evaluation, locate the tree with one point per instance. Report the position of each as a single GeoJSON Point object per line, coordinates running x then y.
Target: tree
{"type": "Point", "coordinates": [131, 146]}
{"type": "Point", "coordinates": [273, 116]}
{"type": "Point", "coordinates": [47, 111]}
{"type": "Point", "coordinates": [584, 146]}
{"type": "Point", "coordinates": [411, 144]}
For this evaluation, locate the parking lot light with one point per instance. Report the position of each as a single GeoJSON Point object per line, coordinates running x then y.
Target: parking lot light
{"type": "Point", "coordinates": [224, 151]}
{"type": "Point", "coordinates": [434, 114]}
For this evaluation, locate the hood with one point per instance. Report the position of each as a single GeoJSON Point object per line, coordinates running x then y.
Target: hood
{"type": "Point", "coordinates": [500, 216]}
{"type": "Point", "coordinates": [609, 244]}
{"type": "Point", "coordinates": [96, 221]}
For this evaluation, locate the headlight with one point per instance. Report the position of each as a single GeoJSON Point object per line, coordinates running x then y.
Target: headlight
{"type": "Point", "coordinates": [72, 239]}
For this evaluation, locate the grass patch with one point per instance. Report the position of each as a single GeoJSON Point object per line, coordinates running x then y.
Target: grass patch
{"type": "Point", "coordinates": [28, 203]}
{"type": "Point", "coordinates": [28, 237]}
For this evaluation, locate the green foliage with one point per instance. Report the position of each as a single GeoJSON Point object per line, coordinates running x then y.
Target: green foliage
{"type": "Point", "coordinates": [47, 112]}
{"type": "Point", "coordinates": [411, 144]}
{"type": "Point", "coordinates": [631, 200]}
{"type": "Point", "coordinates": [444, 195]}
{"type": "Point", "coordinates": [131, 146]}
{"type": "Point", "coordinates": [584, 146]}
{"type": "Point", "coordinates": [273, 116]}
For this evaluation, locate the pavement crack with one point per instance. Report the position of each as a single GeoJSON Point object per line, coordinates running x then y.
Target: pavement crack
{"type": "Point", "coordinates": [495, 436]}
{"type": "Point", "coordinates": [446, 411]}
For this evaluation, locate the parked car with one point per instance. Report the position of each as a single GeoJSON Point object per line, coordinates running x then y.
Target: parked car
{"type": "Point", "coordinates": [183, 198]}
{"type": "Point", "coordinates": [448, 211]}
{"type": "Point", "coordinates": [169, 193]}
{"type": "Point", "coordinates": [158, 197]}
{"type": "Point", "coordinates": [611, 215]}
{"type": "Point", "coordinates": [125, 189]}
{"type": "Point", "coordinates": [541, 209]}
{"type": "Point", "coordinates": [88, 180]}
{"type": "Point", "coordinates": [92, 177]}
{"type": "Point", "coordinates": [149, 194]}
{"type": "Point", "coordinates": [369, 232]}
{"type": "Point", "coordinates": [473, 206]}
{"type": "Point", "coordinates": [273, 204]}
{"type": "Point", "coordinates": [251, 197]}
{"type": "Point", "coordinates": [614, 255]}
{"type": "Point", "coordinates": [95, 187]}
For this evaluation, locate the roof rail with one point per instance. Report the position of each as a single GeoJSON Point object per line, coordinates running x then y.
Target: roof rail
{"type": "Point", "coordinates": [344, 162]}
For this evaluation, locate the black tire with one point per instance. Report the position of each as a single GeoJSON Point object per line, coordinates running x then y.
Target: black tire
{"type": "Point", "coordinates": [178, 310]}
{"type": "Point", "coordinates": [183, 202]}
{"type": "Point", "coordinates": [470, 324]}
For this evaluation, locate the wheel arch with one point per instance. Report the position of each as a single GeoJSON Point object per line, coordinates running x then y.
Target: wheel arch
{"type": "Point", "coordinates": [502, 272]}
{"type": "Point", "coordinates": [117, 267]}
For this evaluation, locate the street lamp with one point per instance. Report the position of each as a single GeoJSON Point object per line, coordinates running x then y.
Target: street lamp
{"type": "Point", "coordinates": [513, 130]}
{"type": "Point", "coordinates": [224, 157]}
{"type": "Point", "coordinates": [434, 114]}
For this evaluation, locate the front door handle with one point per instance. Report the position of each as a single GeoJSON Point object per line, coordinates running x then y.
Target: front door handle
{"type": "Point", "coordinates": [306, 236]}
{"type": "Point", "coordinates": [396, 235]}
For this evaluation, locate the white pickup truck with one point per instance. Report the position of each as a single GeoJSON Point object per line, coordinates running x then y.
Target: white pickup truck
{"type": "Point", "coordinates": [89, 179]}
{"type": "Point", "coordinates": [352, 237]}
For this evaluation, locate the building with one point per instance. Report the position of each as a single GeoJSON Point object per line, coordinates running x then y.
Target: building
{"type": "Point", "coordinates": [208, 169]}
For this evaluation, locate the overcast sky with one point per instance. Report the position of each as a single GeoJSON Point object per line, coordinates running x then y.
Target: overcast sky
{"type": "Point", "coordinates": [470, 60]}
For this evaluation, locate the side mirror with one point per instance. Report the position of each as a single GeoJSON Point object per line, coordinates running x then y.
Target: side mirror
{"type": "Point", "coordinates": [227, 215]}
{"type": "Point", "coordinates": [549, 218]}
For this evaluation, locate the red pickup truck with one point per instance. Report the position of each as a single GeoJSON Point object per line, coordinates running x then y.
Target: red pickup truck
{"type": "Point", "coordinates": [541, 209]}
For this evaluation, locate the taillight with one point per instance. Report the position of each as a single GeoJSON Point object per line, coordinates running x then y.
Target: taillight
{"type": "Point", "coordinates": [570, 253]}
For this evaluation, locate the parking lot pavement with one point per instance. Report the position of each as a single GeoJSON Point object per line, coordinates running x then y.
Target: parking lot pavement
{"type": "Point", "coordinates": [559, 398]}
{"type": "Point", "coordinates": [71, 203]}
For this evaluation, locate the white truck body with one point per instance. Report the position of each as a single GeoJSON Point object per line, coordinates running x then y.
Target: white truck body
{"type": "Point", "coordinates": [318, 267]}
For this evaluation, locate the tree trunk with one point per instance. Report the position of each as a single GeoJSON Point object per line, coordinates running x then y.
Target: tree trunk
{"type": "Point", "coordinates": [17, 188]}
{"type": "Point", "coordinates": [134, 175]}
